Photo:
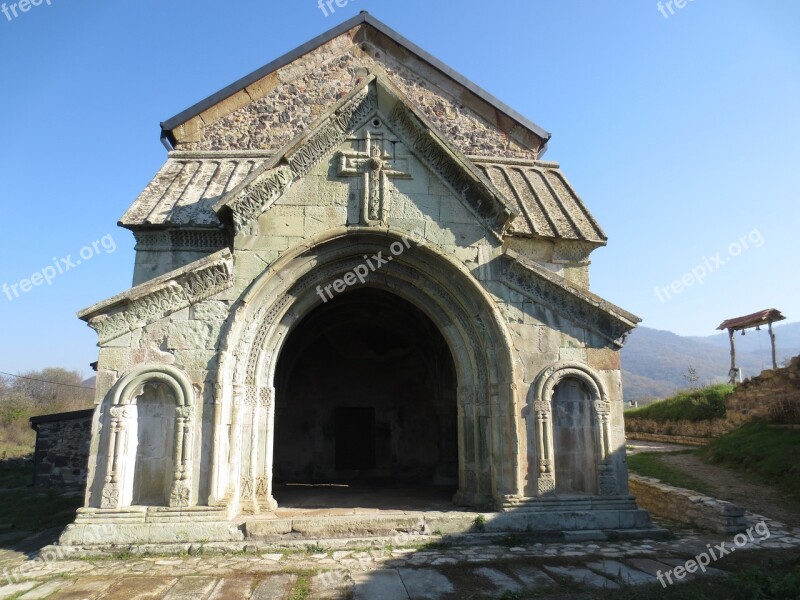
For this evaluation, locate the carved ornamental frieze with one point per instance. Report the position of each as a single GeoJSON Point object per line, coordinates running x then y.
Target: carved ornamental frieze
{"type": "Point", "coordinates": [164, 298]}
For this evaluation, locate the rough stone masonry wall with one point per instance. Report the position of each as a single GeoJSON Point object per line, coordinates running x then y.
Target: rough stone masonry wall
{"type": "Point", "coordinates": [773, 396]}
{"type": "Point", "coordinates": [62, 450]}
{"type": "Point", "coordinates": [271, 112]}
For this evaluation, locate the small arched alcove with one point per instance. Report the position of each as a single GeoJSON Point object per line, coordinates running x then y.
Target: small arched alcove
{"type": "Point", "coordinates": [149, 421]}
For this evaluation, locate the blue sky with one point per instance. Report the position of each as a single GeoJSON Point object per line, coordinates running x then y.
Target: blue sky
{"type": "Point", "coordinates": [680, 133]}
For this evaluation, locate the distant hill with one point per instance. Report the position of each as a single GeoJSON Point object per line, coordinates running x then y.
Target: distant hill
{"type": "Point", "coordinates": [655, 363]}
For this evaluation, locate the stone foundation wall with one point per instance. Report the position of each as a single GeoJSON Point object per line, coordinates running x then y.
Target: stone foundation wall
{"type": "Point", "coordinates": [62, 449]}
{"type": "Point", "coordinates": [686, 506]}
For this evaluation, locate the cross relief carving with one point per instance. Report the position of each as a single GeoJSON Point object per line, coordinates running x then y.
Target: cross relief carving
{"type": "Point", "coordinates": [377, 167]}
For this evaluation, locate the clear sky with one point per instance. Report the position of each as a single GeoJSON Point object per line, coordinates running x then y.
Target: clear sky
{"type": "Point", "coordinates": [679, 130]}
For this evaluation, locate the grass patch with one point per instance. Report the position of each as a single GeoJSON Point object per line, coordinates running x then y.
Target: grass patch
{"type": "Point", "coordinates": [649, 464]}
{"type": "Point", "coordinates": [764, 454]}
{"type": "Point", "coordinates": [302, 587]}
{"type": "Point", "coordinates": [479, 523]}
{"type": "Point", "coordinates": [703, 404]}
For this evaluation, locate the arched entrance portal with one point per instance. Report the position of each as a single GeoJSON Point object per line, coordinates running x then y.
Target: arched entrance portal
{"type": "Point", "coordinates": [365, 391]}
{"type": "Point", "coordinates": [275, 308]}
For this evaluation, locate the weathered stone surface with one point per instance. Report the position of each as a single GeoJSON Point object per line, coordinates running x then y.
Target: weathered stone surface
{"type": "Point", "coordinates": [274, 587]}
{"type": "Point", "coordinates": [239, 586]}
{"type": "Point", "coordinates": [687, 506]}
{"type": "Point", "coordinates": [583, 577]}
{"type": "Point", "coordinates": [191, 588]}
{"type": "Point", "coordinates": [86, 587]}
{"type": "Point", "coordinates": [379, 584]}
{"type": "Point", "coordinates": [140, 588]}
{"type": "Point", "coordinates": [425, 584]}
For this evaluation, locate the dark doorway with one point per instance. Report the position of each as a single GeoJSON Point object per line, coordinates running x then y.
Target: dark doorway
{"type": "Point", "coordinates": [366, 395]}
{"type": "Point", "coordinates": [355, 438]}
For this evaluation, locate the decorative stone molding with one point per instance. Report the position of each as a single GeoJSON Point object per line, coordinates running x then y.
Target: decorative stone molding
{"type": "Point", "coordinates": [259, 194]}
{"type": "Point", "coordinates": [342, 123]}
{"type": "Point", "coordinates": [252, 395]}
{"type": "Point", "coordinates": [274, 302]}
{"type": "Point", "coordinates": [455, 171]}
{"type": "Point", "coordinates": [580, 306]}
{"type": "Point", "coordinates": [161, 297]}
{"type": "Point", "coordinates": [187, 240]}
{"type": "Point", "coordinates": [255, 199]}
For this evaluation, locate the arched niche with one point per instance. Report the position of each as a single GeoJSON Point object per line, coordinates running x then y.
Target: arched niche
{"type": "Point", "coordinates": [156, 396]}
{"type": "Point", "coordinates": [570, 412]}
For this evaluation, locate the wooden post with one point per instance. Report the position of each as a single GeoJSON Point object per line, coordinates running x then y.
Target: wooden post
{"type": "Point", "coordinates": [774, 354]}
{"type": "Point", "coordinates": [733, 356]}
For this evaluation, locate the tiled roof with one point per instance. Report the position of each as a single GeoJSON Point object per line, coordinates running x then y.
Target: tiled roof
{"type": "Point", "coordinates": [547, 204]}
{"type": "Point", "coordinates": [186, 188]}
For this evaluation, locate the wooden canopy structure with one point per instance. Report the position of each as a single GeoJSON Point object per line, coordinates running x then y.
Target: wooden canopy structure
{"type": "Point", "coordinates": [764, 317]}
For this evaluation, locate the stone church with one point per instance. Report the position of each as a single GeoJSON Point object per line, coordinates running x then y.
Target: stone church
{"type": "Point", "coordinates": [355, 266]}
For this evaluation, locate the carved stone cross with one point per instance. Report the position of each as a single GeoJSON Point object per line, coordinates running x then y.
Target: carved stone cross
{"type": "Point", "coordinates": [376, 166]}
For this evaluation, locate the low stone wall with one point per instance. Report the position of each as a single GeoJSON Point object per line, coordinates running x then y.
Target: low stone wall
{"type": "Point", "coordinates": [674, 429]}
{"type": "Point", "coordinates": [62, 449]}
{"type": "Point", "coordinates": [687, 506]}
{"type": "Point", "coordinates": [682, 440]}
{"type": "Point", "coordinates": [773, 396]}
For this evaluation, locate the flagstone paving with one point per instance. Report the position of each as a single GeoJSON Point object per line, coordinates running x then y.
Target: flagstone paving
{"type": "Point", "coordinates": [427, 573]}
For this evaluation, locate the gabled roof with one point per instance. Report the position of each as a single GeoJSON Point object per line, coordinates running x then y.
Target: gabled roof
{"type": "Point", "coordinates": [769, 315]}
{"type": "Point", "coordinates": [363, 19]}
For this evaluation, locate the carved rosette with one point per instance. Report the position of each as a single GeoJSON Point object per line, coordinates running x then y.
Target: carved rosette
{"type": "Point", "coordinates": [180, 496]}
{"type": "Point", "coordinates": [110, 496]}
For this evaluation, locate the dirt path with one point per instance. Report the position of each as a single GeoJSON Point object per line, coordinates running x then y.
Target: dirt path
{"type": "Point", "coordinates": [729, 485]}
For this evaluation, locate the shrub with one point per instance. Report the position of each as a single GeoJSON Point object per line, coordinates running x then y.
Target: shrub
{"type": "Point", "coordinates": [703, 404]}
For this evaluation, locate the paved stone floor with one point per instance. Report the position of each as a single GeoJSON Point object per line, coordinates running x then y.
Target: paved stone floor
{"type": "Point", "coordinates": [424, 572]}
